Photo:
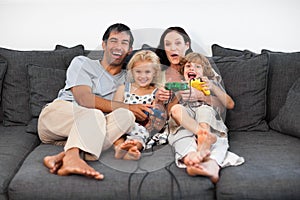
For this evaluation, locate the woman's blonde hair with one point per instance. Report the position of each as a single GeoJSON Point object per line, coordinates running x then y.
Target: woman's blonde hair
{"type": "Point", "coordinates": [145, 55]}
{"type": "Point", "coordinates": [199, 59]}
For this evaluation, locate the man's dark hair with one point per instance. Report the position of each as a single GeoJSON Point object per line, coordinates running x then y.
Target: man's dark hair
{"type": "Point", "coordinates": [118, 27]}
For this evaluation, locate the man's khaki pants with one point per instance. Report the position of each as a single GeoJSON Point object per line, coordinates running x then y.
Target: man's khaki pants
{"type": "Point", "coordinates": [64, 123]}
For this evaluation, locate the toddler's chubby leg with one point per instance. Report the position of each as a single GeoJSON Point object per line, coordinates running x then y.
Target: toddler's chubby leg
{"type": "Point", "coordinates": [128, 150]}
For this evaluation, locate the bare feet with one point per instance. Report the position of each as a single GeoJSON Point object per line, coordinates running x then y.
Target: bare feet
{"type": "Point", "coordinates": [209, 168]}
{"type": "Point", "coordinates": [73, 164]}
{"type": "Point", "coordinates": [205, 138]}
{"type": "Point", "coordinates": [195, 158]}
{"type": "Point", "coordinates": [54, 162]}
{"type": "Point", "coordinates": [128, 150]}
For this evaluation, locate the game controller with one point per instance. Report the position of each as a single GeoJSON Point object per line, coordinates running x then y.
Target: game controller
{"type": "Point", "coordinates": [156, 113]}
{"type": "Point", "coordinates": [156, 121]}
{"type": "Point", "coordinates": [198, 84]}
{"type": "Point", "coordinates": [176, 86]}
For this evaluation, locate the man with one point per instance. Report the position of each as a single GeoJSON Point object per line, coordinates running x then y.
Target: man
{"type": "Point", "coordinates": [78, 117]}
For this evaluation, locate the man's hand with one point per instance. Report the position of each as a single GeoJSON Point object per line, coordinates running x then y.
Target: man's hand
{"type": "Point", "coordinates": [138, 110]}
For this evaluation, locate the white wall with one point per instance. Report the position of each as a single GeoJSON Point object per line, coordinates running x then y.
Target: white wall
{"type": "Point", "coordinates": [253, 25]}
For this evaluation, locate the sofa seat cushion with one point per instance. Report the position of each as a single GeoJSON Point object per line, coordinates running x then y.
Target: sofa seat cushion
{"type": "Point", "coordinates": [15, 145]}
{"type": "Point", "coordinates": [271, 169]}
{"type": "Point", "coordinates": [152, 177]}
{"type": "Point", "coordinates": [15, 100]}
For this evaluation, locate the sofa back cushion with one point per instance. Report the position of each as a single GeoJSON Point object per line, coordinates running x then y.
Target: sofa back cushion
{"type": "Point", "coordinates": [245, 80]}
{"type": "Point", "coordinates": [284, 69]}
{"type": "Point", "coordinates": [16, 96]}
{"type": "Point", "coordinates": [3, 68]}
{"type": "Point", "coordinates": [288, 119]}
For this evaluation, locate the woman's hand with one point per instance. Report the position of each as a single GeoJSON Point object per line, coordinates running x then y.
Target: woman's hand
{"type": "Point", "coordinates": [162, 94]}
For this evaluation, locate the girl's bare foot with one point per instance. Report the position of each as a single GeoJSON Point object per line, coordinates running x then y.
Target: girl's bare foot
{"type": "Point", "coordinates": [209, 168]}
{"type": "Point", "coordinates": [53, 163]}
{"type": "Point", "coordinates": [73, 164]}
{"type": "Point", "coordinates": [132, 154]}
{"type": "Point", "coordinates": [194, 158]}
{"type": "Point", "coordinates": [205, 138]}
{"type": "Point", "coordinates": [128, 150]}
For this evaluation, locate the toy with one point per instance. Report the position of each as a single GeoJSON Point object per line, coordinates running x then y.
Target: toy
{"type": "Point", "coordinates": [176, 86]}
{"type": "Point", "coordinates": [198, 84]}
{"type": "Point", "coordinates": [157, 119]}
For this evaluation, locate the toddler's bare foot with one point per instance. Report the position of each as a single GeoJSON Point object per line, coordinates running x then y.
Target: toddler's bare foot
{"type": "Point", "coordinates": [194, 158]}
{"type": "Point", "coordinates": [128, 150]}
{"type": "Point", "coordinates": [53, 163]}
{"type": "Point", "coordinates": [205, 139]}
{"type": "Point", "coordinates": [73, 164]}
{"type": "Point", "coordinates": [209, 168]}
{"type": "Point", "coordinates": [132, 154]}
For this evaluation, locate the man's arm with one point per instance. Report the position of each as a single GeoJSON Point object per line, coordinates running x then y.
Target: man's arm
{"type": "Point", "coordinates": [84, 97]}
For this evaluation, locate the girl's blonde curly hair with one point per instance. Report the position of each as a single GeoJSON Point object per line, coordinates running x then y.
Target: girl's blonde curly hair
{"type": "Point", "coordinates": [145, 55]}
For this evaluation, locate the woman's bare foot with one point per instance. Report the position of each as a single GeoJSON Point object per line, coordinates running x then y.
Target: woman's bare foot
{"type": "Point", "coordinates": [128, 150]}
{"type": "Point", "coordinates": [73, 164]}
{"type": "Point", "coordinates": [209, 168]}
{"type": "Point", "coordinates": [53, 163]}
{"type": "Point", "coordinates": [194, 158]}
{"type": "Point", "coordinates": [205, 138]}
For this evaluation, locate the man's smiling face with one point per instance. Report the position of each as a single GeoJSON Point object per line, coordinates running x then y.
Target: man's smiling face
{"type": "Point", "coordinates": [116, 48]}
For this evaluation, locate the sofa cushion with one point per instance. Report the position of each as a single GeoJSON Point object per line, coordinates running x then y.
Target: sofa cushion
{"type": "Point", "coordinates": [16, 108]}
{"type": "Point", "coordinates": [3, 68]}
{"type": "Point", "coordinates": [245, 80]}
{"type": "Point", "coordinates": [288, 119]}
{"type": "Point", "coordinates": [218, 50]}
{"type": "Point", "coordinates": [154, 176]}
{"type": "Point", "coordinates": [284, 70]}
{"type": "Point", "coordinates": [271, 168]}
{"type": "Point", "coordinates": [15, 145]}
{"type": "Point", "coordinates": [44, 84]}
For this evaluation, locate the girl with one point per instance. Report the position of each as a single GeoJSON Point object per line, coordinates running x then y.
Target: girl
{"type": "Point", "coordinates": [143, 73]}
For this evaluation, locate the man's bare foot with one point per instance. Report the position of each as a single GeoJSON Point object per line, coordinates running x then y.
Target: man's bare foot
{"type": "Point", "coordinates": [205, 138]}
{"type": "Point", "coordinates": [194, 158]}
{"type": "Point", "coordinates": [73, 164]}
{"type": "Point", "coordinates": [128, 150]}
{"type": "Point", "coordinates": [209, 168]}
{"type": "Point", "coordinates": [53, 163]}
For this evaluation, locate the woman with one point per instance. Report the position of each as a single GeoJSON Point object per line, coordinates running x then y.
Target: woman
{"type": "Point", "coordinates": [174, 45]}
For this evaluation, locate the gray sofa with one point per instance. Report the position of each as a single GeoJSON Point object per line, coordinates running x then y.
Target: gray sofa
{"type": "Point", "coordinates": [264, 129]}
